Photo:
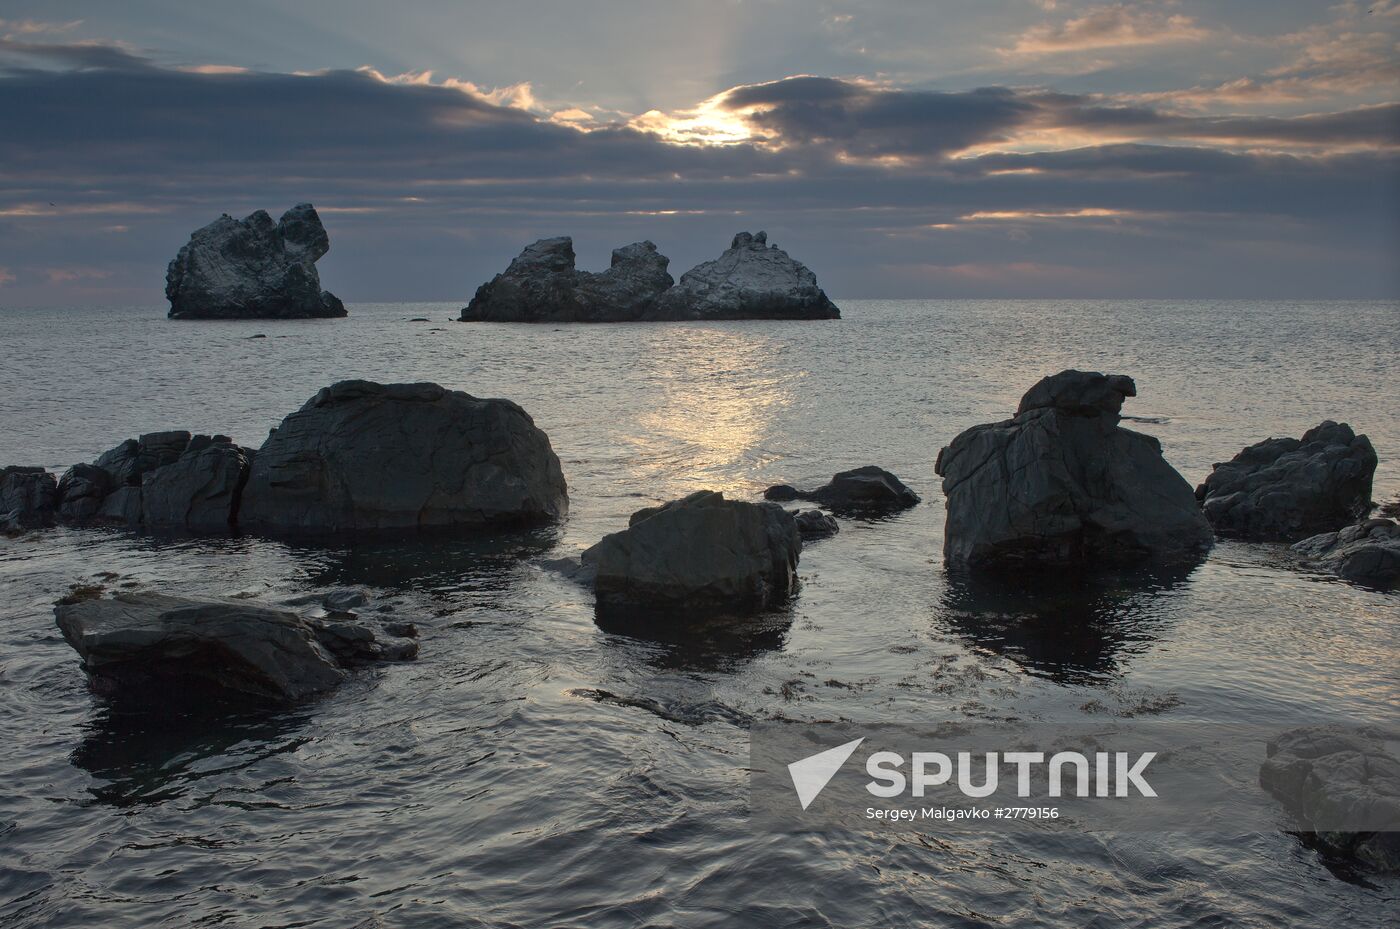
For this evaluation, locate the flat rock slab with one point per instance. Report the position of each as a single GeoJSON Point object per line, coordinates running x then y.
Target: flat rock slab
{"type": "Point", "coordinates": [180, 651]}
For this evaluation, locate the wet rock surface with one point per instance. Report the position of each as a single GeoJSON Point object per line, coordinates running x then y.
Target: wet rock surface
{"type": "Point", "coordinates": [814, 525]}
{"type": "Point", "coordinates": [182, 651]}
{"type": "Point", "coordinates": [1287, 489]}
{"type": "Point", "coordinates": [253, 269]}
{"type": "Point", "coordinates": [367, 457]}
{"type": "Point", "coordinates": [1366, 553]}
{"type": "Point", "coordinates": [1062, 484]}
{"type": "Point", "coordinates": [700, 553]}
{"type": "Point", "coordinates": [1344, 785]}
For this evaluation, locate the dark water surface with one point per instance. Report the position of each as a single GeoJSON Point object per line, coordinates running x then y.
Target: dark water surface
{"type": "Point", "coordinates": [534, 770]}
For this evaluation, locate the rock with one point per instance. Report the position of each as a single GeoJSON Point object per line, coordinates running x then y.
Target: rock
{"type": "Point", "coordinates": [81, 491]}
{"type": "Point", "coordinates": [1288, 489]}
{"type": "Point", "coordinates": [343, 601]}
{"type": "Point", "coordinates": [353, 644]}
{"type": "Point", "coordinates": [181, 650]}
{"type": "Point", "coordinates": [122, 507]}
{"type": "Point", "coordinates": [1344, 785]}
{"type": "Point", "coordinates": [814, 524]}
{"type": "Point", "coordinates": [28, 498]}
{"type": "Point", "coordinates": [200, 490]}
{"type": "Point", "coordinates": [751, 280]}
{"type": "Point", "coordinates": [542, 285]}
{"type": "Point", "coordinates": [366, 457]}
{"type": "Point", "coordinates": [123, 462]}
{"type": "Point", "coordinates": [252, 269]}
{"type": "Point", "coordinates": [861, 491]}
{"type": "Point", "coordinates": [697, 554]}
{"type": "Point", "coordinates": [156, 450]}
{"type": "Point", "coordinates": [1367, 553]}
{"type": "Point", "coordinates": [1062, 484]}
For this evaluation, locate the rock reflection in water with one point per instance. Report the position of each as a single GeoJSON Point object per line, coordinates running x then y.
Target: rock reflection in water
{"type": "Point", "coordinates": [482, 562]}
{"type": "Point", "coordinates": [712, 643]}
{"type": "Point", "coordinates": [143, 757]}
{"type": "Point", "coordinates": [1077, 629]}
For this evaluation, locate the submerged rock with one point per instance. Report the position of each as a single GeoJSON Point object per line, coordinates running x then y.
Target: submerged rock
{"type": "Point", "coordinates": [814, 525]}
{"type": "Point", "coordinates": [1344, 785]}
{"type": "Point", "coordinates": [253, 269]}
{"type": "Point", "coordinates": [1062, 484]}
{"type": "Point", "coordinates": [179, 650]}
{"type": "Point", "coordinates": [1288, 489]}
{"type": "Point", "coordinates": [697, 554]}
{"type": "Point", "coordinates": [366, 457]}
{"type": "Point", "coordinates": [862, 491]}
{"type": "Point", "coordinates": [28, 498]}
{"type": "Point", "coordinates": [751, 280]}
{"type": "Point", "coordinates": [543, 285]}
{"type": "Point", "coordinates": [1367, 553]}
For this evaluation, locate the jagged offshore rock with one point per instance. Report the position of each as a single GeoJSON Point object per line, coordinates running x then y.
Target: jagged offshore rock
{"type": "Point", "coordinates": [1288, 489]}
{"type": "Point", "coordinates": [182, 651]}
{"type": "Point", "coordinates": [1061, 484]}
{"type": "Point", "coordinates": [814, 525]}
{"type": "Point", "coordinates": [751, 280]}
{"type": "Point", "coordinates": [542, 285]}
{"type": "Point", "coordinates": [366, 457]}
{"type": "Point", "coordinates": [700, 553]}
{"type": "Point", "coordinates": [252, 269]}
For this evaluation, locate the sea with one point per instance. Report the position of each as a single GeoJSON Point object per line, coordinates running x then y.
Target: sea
{"type": "Point", "coordinates": [535, 769]}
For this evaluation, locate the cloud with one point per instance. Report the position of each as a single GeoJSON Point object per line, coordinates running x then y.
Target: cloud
{"type": "Point", "coordinates": [6, 277]}
{"type": "Point", "coordinates": [10, 28]}
{"type": "Point", "coordinates": [430, 185]}
{"type": "Point", "coordinates": [1107, 27]}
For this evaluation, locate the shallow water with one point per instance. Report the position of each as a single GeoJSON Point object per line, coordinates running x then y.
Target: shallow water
{"type": "Point", "coordinates": [532, 769]}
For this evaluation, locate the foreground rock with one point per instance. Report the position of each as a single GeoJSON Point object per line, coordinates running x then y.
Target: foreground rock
{"type": "Point", "coordinates": [860, 491]}
{"type": "Point", "coordinates": [1344, 785]}
{"type": "Point", "coordinates": [367, 457]}
{"type": "Point", "coordinates": [181, 651]}
{"type": "Point", "coordinates": [1061, 484]}
{"type": "Point", "coordinates": [751, 280]}
{"type": "Point", "coordinates": [1288, 489]}
{"type": "Point", "coordinates": [542, 285]}
{"type": "Point", "coordinates": [253, 269]}
{"type": "Point", "coordinates": [698, 554]}
{"type": "Point", "coordinates": [28, 498]}
{"type": "Point", "coordinates": [1367, 553]}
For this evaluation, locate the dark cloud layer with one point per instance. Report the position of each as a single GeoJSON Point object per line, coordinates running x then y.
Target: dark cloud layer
{"type": "Point", "coordinates": [111, 160]}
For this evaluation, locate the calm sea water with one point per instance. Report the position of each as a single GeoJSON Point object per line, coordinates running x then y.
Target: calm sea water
{"type": "Point", "coordinates": [534, 770]}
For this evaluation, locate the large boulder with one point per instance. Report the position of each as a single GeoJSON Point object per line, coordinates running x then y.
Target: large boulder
{"type": "Point", "coordinates": [28, 498]}
{"type": "Point", "coordinates": [200, 490]}
{"type": "Point", "coordinates": [1367, 552]}
{"type": "Point", "coordinates": [253, 269]}
{"type": "Point", "coordinates": [182, 651]}
{"type": "Point", "coordinates": [860, 491]}
{"type": "Point", "coordinates": [365, 457]}
{"type": "Point", "coordinates": [1062, 484]}
{"type": "Point", "coordinates": [81, 491]}
{"type": "Point", "coordinates": [542, 285]}
{"type": "Point", "coordinates": [1288, 489]}
{"type": "Point", "coordinates": [701, 553]}
{"type": "Point", "coordinates": [1344, 786]}
{"type": "Point", "coordinates": [751, 280]}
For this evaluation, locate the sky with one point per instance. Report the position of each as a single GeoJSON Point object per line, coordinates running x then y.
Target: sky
{"type": "Point", "coordinates": [968, 148]}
